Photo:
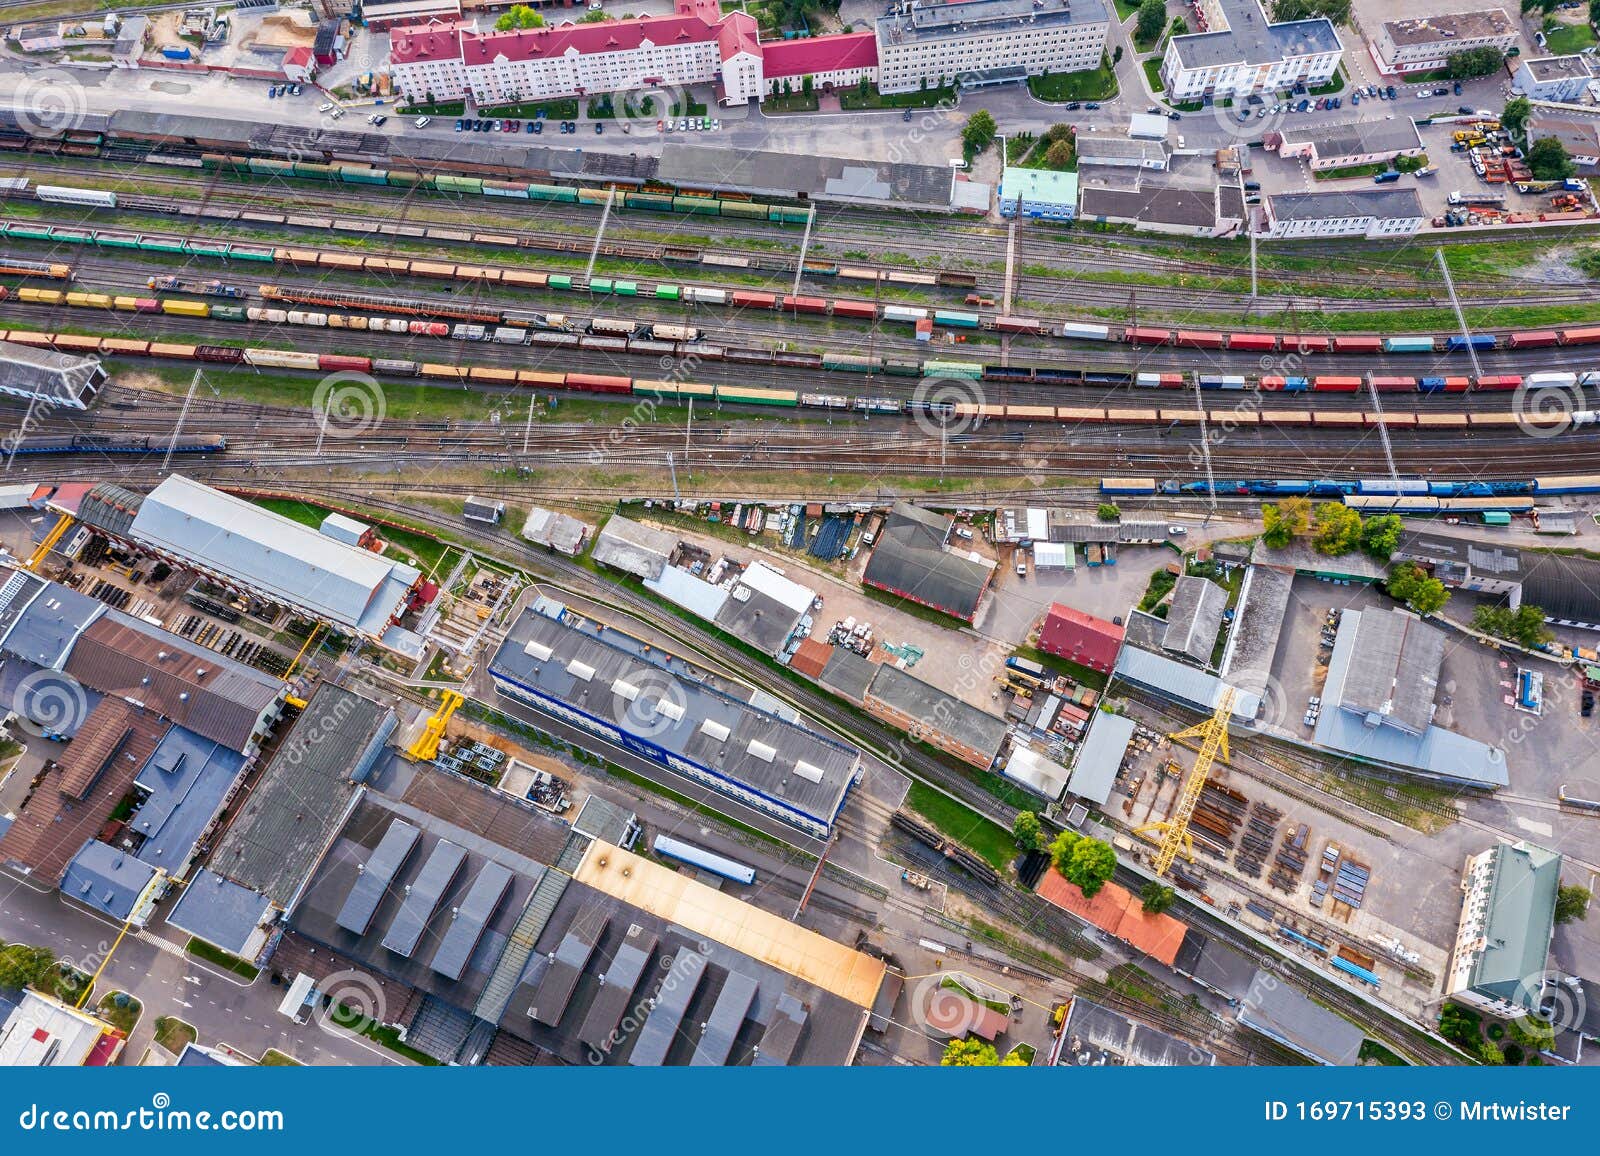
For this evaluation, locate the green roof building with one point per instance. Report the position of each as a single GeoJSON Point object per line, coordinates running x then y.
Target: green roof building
{"type": "Point", "coordinates": [1508, 915]}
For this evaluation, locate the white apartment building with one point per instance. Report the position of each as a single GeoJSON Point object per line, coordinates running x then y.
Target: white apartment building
{"type": "Point", "coordinates": [929, 44]}
{"type": "Point", "coordinates": [1500, 960]}
{"type": "Point", "coordinates": [1425, 43]}
{"type": "Point", "coordinates": [1240, 52]}
{"type": "Point", "coordinates": [1372, 213]}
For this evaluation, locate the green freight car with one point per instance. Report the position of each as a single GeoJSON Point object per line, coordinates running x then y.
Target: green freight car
{"type": "Point", "coordinates": [702, 206]}
{"type": "Point", "coordinates": [651, 201]}
{"type": "Point", "coordinates": [740, 395]}
{"type": "Point", "coordinates": [668, 292]}
{"type": "Point", "coordinates": [952, 369]}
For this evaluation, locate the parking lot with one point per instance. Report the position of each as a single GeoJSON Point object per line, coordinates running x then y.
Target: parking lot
{"type": "Point", "coordinates": [1016, 604]}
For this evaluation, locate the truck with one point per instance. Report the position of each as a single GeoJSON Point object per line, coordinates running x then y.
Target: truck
{"type": "Point", "coordinates": [1492, 199]}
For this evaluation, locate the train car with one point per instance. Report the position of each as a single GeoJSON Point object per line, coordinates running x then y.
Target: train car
{"type": "Point", "coordinates": [900, 367]}
{"type": "Point", "coordinates": [395, 367]}
{"type": "Point", "coordinates": [852, 363]}
{"type": "Point", "coordinates": [41, 296]}
{"type": "Point", "coordinates": [1144, 335]}
{"type": "Point", "coordinates": [278, 358]}
{"type": "Point", "coordinates": [1386, 384]}
{"type": "Point", "coordinates": [1127, 485]}
{"type": "Point", "coordinates": [344, 361]}
{"type": "Point", "coordinates": [870, 405]}
{"type": "Point", "coordinates": [793, 304]}
{"type": "Point", "coordinates": [1460, 341]}
{"type": "Point", "coordinates": [1441, 422]}
{"type": "Point", "coordinates": [961, 369]}
{"type": "Point", "coordinates": [1020, 325]}
{"type": "Point", "coordinates": [1557, 381]}
{"type": "Point", "coordinates": [745, 299]}
{"type": "Point", "coordinates": [188, 308]}
{"type": "Point", "coordinates": [864, 310]}
{"type": "Point", "coordinates": [699, 857]}
{"type": "Point", "coordinates": [1586, 335]}
{"type": "Point", "coordinates": [1221, 381]}
{"type": "Point", "coordinates": [55, 271]}
{"type": "Point", "coordinates": [1075, 331]}
{"type": "Point", "coordinates": [1357, 345]}
{"type": "Point", "coordinates": [1198, 339]}
{"type": "Point", "coordinates": [956, 320]}
{"type": "Point", "coordinates": [744, 395]}
{"type": "Point", "coordinates": [1534, 339]}
{"type": "Point", "coordinates": [63, 195]}
{"type": "Point", "coordinates": [1567, 484]}
{"type": "Point", "coordinates": [1332, 383]}
{"type": "Point", "coordinates": [1496, 381]}
{"type": "Point", "coordinates": [599, 383]}
{"type": "Point", "coordinates": [663, 332]}
{"type": "Point", "coordinates": [704, 295]}
{"type": "Point", "coordinates": [1408, 344]}
{"type": "Point", "coordinates": [906, 313]}
{"type": "Point", "coordinates": [1392, 486]}
{"type": "Point", "coordinates": [824, 401]}
{"type": "Point", "coordinates": [612, 326]}
{"type": "Point", "coordinates": [539, 380]}
{"type": "Point", "coordinates": [221, 354]}
{"type": "Point", "coordinates": [1253, 342]}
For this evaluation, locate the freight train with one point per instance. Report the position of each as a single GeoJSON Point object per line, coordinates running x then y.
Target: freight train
{"type": "Point", "coordinates": [121, 444]}
{"type": "Point", "coordinates": [1378, 495]}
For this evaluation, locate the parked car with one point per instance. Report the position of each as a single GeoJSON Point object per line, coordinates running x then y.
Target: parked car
{"type": "Point", "coordinates": [1070, 106]}
{"type": "Point", "coordinates": [906, 116]}
{"type": "Point", "coordinates": [325, 106]}
{"type": "Point", "coordinates": [1090, 105]}
{"type": "Point", "coordinates": [377, 120]}
{"type": "Point", "coordinates": [1390, 91]}
{"type": "Point", "coordinates": [599, 128]}
{"type": "Point", "coordinates": [272, 92]}
{"type": "Point", "coordinates": [294, 90]}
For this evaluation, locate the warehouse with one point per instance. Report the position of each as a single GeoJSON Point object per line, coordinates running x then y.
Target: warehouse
{"type": "Point", "coordinates": [1184, 684]}
{"type": "Point", "coordinates": [660, 708]}
{"type": "Point", "coordinates": [111, 881]}
{"type": "Point", "coordinates": [1081, 638]}
{"type": "Point", "coordinates": [220, 912]}
{"type": "Point", "coordinates": [1280, 1012]}
{"type": "Point", "coordinates": [1375, 213]}
{"type": "Point", "coordinates": [1463, 564]}
{"type": "Point", "coordinates": [930, 715]}
{"type": "Point", "coordinates": [57, 379]}
{"type": "Point", "coordinates": [257, 551]}
{"type": "Point", "coordinates": [1098, 148]}
{"type": "Point", "coordinates": [634, 548]}
{"type": "Point", "coordinates": [1100, 755]}
{"type": "Point", "coordinates": [1502, 948]}
{"type": "Point", "coordinates": [913, 559]}
{"type": "Point", "coordinates": [1041, 193]}
{"type": "Point", "coordinates": [556, 532]}
{"type": "Point", "coordinates": [1093, 1036]}
{"type": "Point", "coordinates": [1194, 618]}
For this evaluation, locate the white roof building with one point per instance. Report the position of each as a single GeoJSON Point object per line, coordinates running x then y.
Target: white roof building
{"type": "Point", "coordinates": [46, 1033]}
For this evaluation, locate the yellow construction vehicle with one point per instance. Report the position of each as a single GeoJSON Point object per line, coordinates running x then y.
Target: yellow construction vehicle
{"type": "Point", "coordinates": [1174, 829]}
{"type": "Point", "coordinates": [57, 532]}
{"type": "Point", "coordinates": [426, 746]}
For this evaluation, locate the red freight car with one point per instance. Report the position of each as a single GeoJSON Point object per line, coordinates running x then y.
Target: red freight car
{"type": "Point", "coordinates": [1142, 335]}
{"type": "Point", "coordinates": [1589, 335]}
{"type": "Point", "coordinates": [599, 383]}
{"type": "Point", "coordinates": [1253, 342]}
{"type": "Point", "coordinates": [1333, 384]}
{"type": "Point", "coordinates": [805, 304]}
{"type": "Point", "coordinates": [1018, 325]}
{"type": "Point", "coordinates": [344, 361]}
{"type": "Point", "coordinates": [1358, 345]}
{"type": "Point", "coordinates": [1393, 384]}
{"type": "Point", "coordinates": [1534, 339]}
{"type": "Point", "coordinates": [744, 299]}
{"type": "Point", "coordinates": [1462, 384]}
{"type": "Point", "coordinates": [1273, 382]}
{"type": "Point", "coordinates": [1198, 339]}
{"type": "Point", "coordinates": [863, 309]}
{"type": "Point", "coordinates": [1499, 381]}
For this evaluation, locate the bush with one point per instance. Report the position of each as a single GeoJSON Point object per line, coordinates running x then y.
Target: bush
{"type": "Point", "coordinates": [1107, 512]}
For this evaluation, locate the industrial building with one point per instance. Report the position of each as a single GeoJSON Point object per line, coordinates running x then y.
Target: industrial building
{"type": "Point", "coordinates": [57, 379]}
{"type": "Point", "coordinates": [559, 533]}
{"type": "Point", "coordinates": [1100, 756]}
{"type": "Point", "coordinates": [1194, 618]}
{"type": "Point", "coordinates": [1282, 1013]}
{"type": "Point", "coordinates": [1092, 1036]}
{"type": "Point", "coordinates": [1183, 683]}
{"type": "Point", "coordinates": [1040, 193]}
{"type": "Point", "coordinates": [913, 559]}
{"type": "Point", "coordinates": [1424, 43]}
{"type": "Point", "coordinates": [1502, 948]}
{"type": "Point", "coordinates": [1081, 638]}
{"type": "Point", "coordinates": [1576, 127]}
{"type": "Point", "coordinates": [1187, 199]}
{"type": "Point", "coordinates": [1463, 564]}
{"type": "Point", "coordinates": [1361, 142]}
{"type": "Point", "coordinates": [1374, 213]}
{"type": "Point", "coordinates": [1099, 148]}
{"type": "Point", "coordinates": [633, 547]}
{"type": "Point", "coordinates": [112, 882]}
{"type": "Point", "coordinates": [43, 1032]}
{"type": "Point", "coordinates": [1239, 52]}
{"type": "Point", "coordinates": [1119, 913]}
{"type": "Point", "coordinates": [658, 707]}
{"type": "Point", "coordinates": [1564, 79]}
{"type": "Point", "coordinates": [930, 715]}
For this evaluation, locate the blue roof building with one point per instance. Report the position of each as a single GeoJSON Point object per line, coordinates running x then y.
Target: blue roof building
{"type": "Point", "coordinates": [185, 783]}
{"type": "Point", "coordinates": [112, 882]}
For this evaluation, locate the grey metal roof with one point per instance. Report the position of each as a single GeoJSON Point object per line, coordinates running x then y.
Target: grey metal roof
{"type": "Point", "coordinates": [1257, 626]}
{"type": "Point", "coordinates": [1177, 680]}
{"type": "Point", "coordinates": [1394, 667]}
{"type": "Point", "coordinates": [1435, 753]}
{"type": "Point", "coordinates": [422, 897]}
{"type": "Point", "coordinates": [1556, 67]}
{"type": "Point", "coordinates": [1213, 963]}
{"type": "Point", "coordinates": [1151, 204]}
{"type": "Point", "coordinates": [1518, 923]}
{"type": "Point", "coordinates": [1095, 1036]}
{"type": "Point", "coordinates": [1250, 38]}
{"type": "Point", "coordinates": [369, 887]}
{"type": "Point", "coordinates": [929, 23]}
{"type": "Point", "coordinates": [600, 818]}
{"type": "Point", "coordinates": [40, 620]}
{"type": "Point", "coordinates": [848, 674]}
{"type": "Point", "coordinates": [187, 779]}
{"type": "Point", "coordinates": [106, 878]}
{"type": "Point", "coordinates": [1094, 146]}
{"type": "Point", "coordinates": [353, 588]}
{"type": "Point", "coordinates": [181, 126]}
{"type": "Point", "coordinates": [727, 1016]}
{"type": "Point", "coordinates": [468, 920]}
{"type": "Point", "coordinates": [1357, 138]}
{"type": "Point", "coordinates": [50, 376]}
{"type": "Point", "coordinates": [1100, 756]}
{"type": "Point", "coordinates": [788, 174]}
{"type": "Point", "coordinates": [111, 508]}
{"type": "Point", "coordinates": [1445, 27]}
{"type": "Point", "coordinates": [758, 619]}
{"type": "Point", "coordinates": [633, 547]}
{"type": "Point", "coordinates": [1195, 617]}
{"type": "Point", "coordinates": [939, 711]}
{"type": "Point", "coordinates": [1385, 204]}
{"type": "Point", "coordinates": [567, 965]}
{"type": "Point", "coordinates": [662, 1026]}
{"type": "Point", "coordinates": [618, 981]}
{"type": "Point", "coordinates": [911, 558]}
{"type": "Point", "coordinates": [1566, 587]}
{"type": "Point", "coordinates": [219, 911]}
{"type": "Point", "coordinates": [1456, 558]}
{"type": "Point", "coordinates": [1287, 1015]}
{"type": "Point", "coordinates": [781, 1040]}
{"type": "Point", "coordinates": [280, 832]}
{"type": "Point", "coordinates": [622, 683]}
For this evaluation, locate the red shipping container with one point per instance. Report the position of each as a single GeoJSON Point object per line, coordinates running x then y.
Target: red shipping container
{"type": "Point", "coordinates": [1255, 342]}
{"type": "Point", "coordinates": [599, 383]}
{"type": "Point", "coordinates": [863, 309]}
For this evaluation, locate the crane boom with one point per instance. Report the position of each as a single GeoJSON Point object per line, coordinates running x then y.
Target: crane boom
{"type": "Point", "coordinates": [1174, 830]}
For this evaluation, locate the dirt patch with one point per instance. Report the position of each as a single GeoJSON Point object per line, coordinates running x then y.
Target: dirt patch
{"type": "Point", "coordinates": [1556, 267]}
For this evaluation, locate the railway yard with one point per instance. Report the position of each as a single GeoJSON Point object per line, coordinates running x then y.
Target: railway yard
{"type": "Point", "coordinates": [782, 442]}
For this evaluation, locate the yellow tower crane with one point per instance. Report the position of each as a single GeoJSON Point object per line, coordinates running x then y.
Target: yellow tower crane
{"type": "Point", "coordinates": [48, 543]}
{"type": "Point", "coordinates": [1174, 829]}
{"type": "Point", "coordinates": [427, 745]}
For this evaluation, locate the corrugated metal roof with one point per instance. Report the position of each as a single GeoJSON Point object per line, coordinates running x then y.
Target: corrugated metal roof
{"type": "Point", "coordinates": [107, 879]}
{"type": "Point", "coordinates": [1180, 681]}
{"type": "Point", "coordinates": [1100, 756]}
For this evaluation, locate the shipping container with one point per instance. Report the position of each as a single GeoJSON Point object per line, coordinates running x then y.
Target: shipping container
{"type": "Point", "coordinates": [1253, 342]}
{"type": "Point", "coordinates": [1073, 331]}
{"type": "Point", "coordinates": [1392, 384]}
{"type": "Point", "coordinates": [792, 304]}
{"type": "Point", "coordinates": [1358, 345]}
{"type": "Point", "coordinates": [865, 310]}
{"type": "Point", "coordinates": [1327, 383]}
{"type": "Point", "coordinates": [744, 299]}
{"type": "Point", "coordinates": [1589, 335]}
{"type": "Point", "coordinates": [704, 295]}
{"type": "Point", "coordinates": [1198, 339]}
{"type": "Point", "coordinates": [1408, 344]}
{"type": "Point", "coordinates": [186, 308]}
{"type": "Point", "coordinates": [599, 383]}
{"type": "Point", "coordinates": [1143, 335]}
{"type": "Point", "coordinates": [1019, 325]}
{"type": "Point", "coordinates": [1534, 339]}
{"type": "Point", "coordinates": [1470, 341]}
{"type": "Point", "coordinates": [903, 313]}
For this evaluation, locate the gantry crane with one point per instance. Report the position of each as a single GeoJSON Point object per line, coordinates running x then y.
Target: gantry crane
{"type": "Point", "coordinates": [1174, 829]}
{"type": "Point", "coordinates": [48, 542]}
{"type": "Point", "coordinates": [426, 748]}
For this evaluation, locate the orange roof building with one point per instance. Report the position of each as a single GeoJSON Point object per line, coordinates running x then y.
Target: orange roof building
{"type": "Point", "coordinates": [1117, 911]}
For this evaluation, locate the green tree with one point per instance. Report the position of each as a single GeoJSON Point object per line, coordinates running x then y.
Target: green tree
{"type": "Point", "coordinates": [1013, 1060]}
{"type": "Point", "coordinates": [1403, 580]}
{"type": "Point", "coordinates": [1532, 1032]}
{"type": "Point", "coordinates": [21, 965]}
{"type": "Point", "coordinates": [1059, 132]}
{"type": "Point", "coordinates": [1116, 57]}
{"type": "Point", "coordinates": [1027, 831]}
{"type": "Point", "coordinates": [1380, 535]}
{"type": "Point", "coordinates": [1548, 160]}
{"type": "Point", "coordinates": [1515, 116]}
{"type": "Point", "coordinates": [1087, 862]}
{"type": "Point", "coordinates": [969, 1053]}
{"type": "Point", "coordinates": [1338, 529]}
{"type": "Point", "coordinates": [1156, 897]}
{"type": "Point", "coordinates": [1572, 904]}
{"type": "Point", "coordinates": [519, 16]}
{"type": "Point", "coordinates": [978, 133]}
{"type": "Point", "coordinates": [1108, 512]}
{"type": "Point", "coordinates": [1489, 1052]}
{"type": "Point", "coordinates": [1458, 1025]}
{"type": "Point", "coordinates": [1474, 62]}
{"type": "Point", "coordinates": [1060, 155]}
{"type": "Point", "coordinates": [1524, 625]}
{"type": "Point", "coordinates": [1285, 521]}
{"type": "Point", "coordinates": [1429, 597]}
{"type": "Point", "coordinates": [594, 18]}
{"type": "Point", "coordinates": [1151, 22]}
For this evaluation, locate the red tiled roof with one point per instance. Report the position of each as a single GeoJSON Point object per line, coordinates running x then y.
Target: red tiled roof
{"type": "Point", "coordinates": [1080, 637]}
{"type": "Point", "coordinates": [1117, 911]}
{"type": "Point", "coordinates": [738, 33]}
{"type": "Point", "coordinates": [611, 36]}
{"type": "Point", "coordinates": [299, 54]}
{"type": "Point", "coordinates": [437, 40]}
{"type": "Point", "coordinates": [1158, 936]}
{"type": "Point", "coordinates": [820, 54]}
{"type": "Point", "coordinates": [1104, 910]}
{"type": "Point", "coordinates": [811, 658]}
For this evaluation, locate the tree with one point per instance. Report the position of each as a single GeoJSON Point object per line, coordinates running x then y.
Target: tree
{"type": "Point", "coordinates": [1157, 898]}
{"type": "Point", "coordinates": [1152, 21]}
{"type": "Point", "coordinates": [1027, 831]}
{"type": "Point", "coordinates": [978, 133]}
{"type": "Point", "coordinates": [1515, 117]}
{"type": "Point", "coordinates": [1060, 155]}
{"type": "Point", "coordinates": [520, 16]}
{"type": "Point", "coordinates": [1524, 625]}
{"type": "Point", "coordinates": [1458, 1025]}
{"type": "Point", "coordinates": [1059, 132]}
{"type": "Point", "coordinates": [1572, 904]}
{"type": "Point", "coordinates": [1285, 521]}
{"type": "Point", "coordinates": [1116, 57]}
{"type": "Point", "coordinates": [1013, 1060]}
{"type": "Point", "coordinates": [1087, 862]}
{"type": "Point", "coordinates": [1429, 597]}
{"type": "Point", "coordinates": [1403, 580]}
{"type": "Point", "coordinates": [594, 18]}
{"type": "Point", "coordinates": [969, 1053]}
{"type": "Point", "coordinates": [21, 965]}
{"type": "Point", "coordinates": [1474, 62]}
{"type": "Point", "coordinates": [1380, 535]}
{"type": "Point", "coordinates": [1338, 529]}
{"type": "Point", "coordinates": [1548, 160]}
{"type": "Point", "coordinates": [1108, 512]}
{"type": "Point", "coordinates": [1489, 1052]}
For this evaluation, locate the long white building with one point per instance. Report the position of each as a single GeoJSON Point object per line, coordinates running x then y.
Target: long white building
{"type": "Point", "coordinates": [1240, 52]}
{"type": "Point", "coordinates": [1424, 43]}
{"type": "Point", "coordinates": [930, 44]}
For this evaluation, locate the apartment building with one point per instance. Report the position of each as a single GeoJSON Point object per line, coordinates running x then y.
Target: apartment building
{"type": "Point", "coordinates": [1424, 43]}
{"type": "Point", "coordinates": [1239, 52]}
{"type": "Point", "coordinates": [929, 44]}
